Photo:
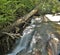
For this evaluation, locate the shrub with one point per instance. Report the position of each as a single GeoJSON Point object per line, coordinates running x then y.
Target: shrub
{"type": "Point", "coordinates": [10, 10]}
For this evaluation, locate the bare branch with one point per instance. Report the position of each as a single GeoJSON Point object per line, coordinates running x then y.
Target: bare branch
{"type": "Point", "coordinates": [12, 35]}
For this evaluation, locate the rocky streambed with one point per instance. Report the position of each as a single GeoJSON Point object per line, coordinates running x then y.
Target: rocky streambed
{"type": "Point", "coordinates": [36, 38]}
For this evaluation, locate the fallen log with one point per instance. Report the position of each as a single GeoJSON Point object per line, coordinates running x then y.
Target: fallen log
{"type": "Point", "coordinates": [21, 20]}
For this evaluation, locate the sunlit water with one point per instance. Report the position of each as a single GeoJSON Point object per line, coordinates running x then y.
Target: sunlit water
{"type": "Point", "coordinates": [53, 18]}
{"type": "Point", "coordinates": [31, 35]}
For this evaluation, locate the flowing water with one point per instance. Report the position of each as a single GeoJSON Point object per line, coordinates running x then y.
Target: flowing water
{"type": "Point", "coordinates": [35, 36]}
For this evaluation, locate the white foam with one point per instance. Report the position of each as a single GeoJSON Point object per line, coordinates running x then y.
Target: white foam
{"type": "Point", "coordinates": [53, 18]}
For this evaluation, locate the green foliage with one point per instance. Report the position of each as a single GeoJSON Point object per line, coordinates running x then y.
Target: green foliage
{"type": "Point", "coordinates": [12, 9]}
{"type": "Point", "coordinates": [49, 6]}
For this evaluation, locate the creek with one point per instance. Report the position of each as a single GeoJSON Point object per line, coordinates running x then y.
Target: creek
{"type": "Point", "coordinates": [35, 36]}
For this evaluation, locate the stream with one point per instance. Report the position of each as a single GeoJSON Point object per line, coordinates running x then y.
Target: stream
{"type": "Point", "coordinates": [35, 36]}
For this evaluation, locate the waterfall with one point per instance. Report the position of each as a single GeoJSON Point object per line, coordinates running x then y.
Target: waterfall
{"type": "Point", "coordinates": [35, 36]}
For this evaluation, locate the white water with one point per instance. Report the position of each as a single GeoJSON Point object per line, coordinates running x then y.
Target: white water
{"type": "Point", "coordinates": [53, 18]}
{"type": "Point", "coordinates": [31, 35]}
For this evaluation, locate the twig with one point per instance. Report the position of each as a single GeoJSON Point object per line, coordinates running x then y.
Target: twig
{"type": "Point", "coordinates": [12, 35]}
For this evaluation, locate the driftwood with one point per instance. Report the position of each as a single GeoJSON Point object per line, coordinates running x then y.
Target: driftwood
{"type": "Point", "coordinates": [12, 35]}
{"type": "Point", "coordinates": [21, 20]}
